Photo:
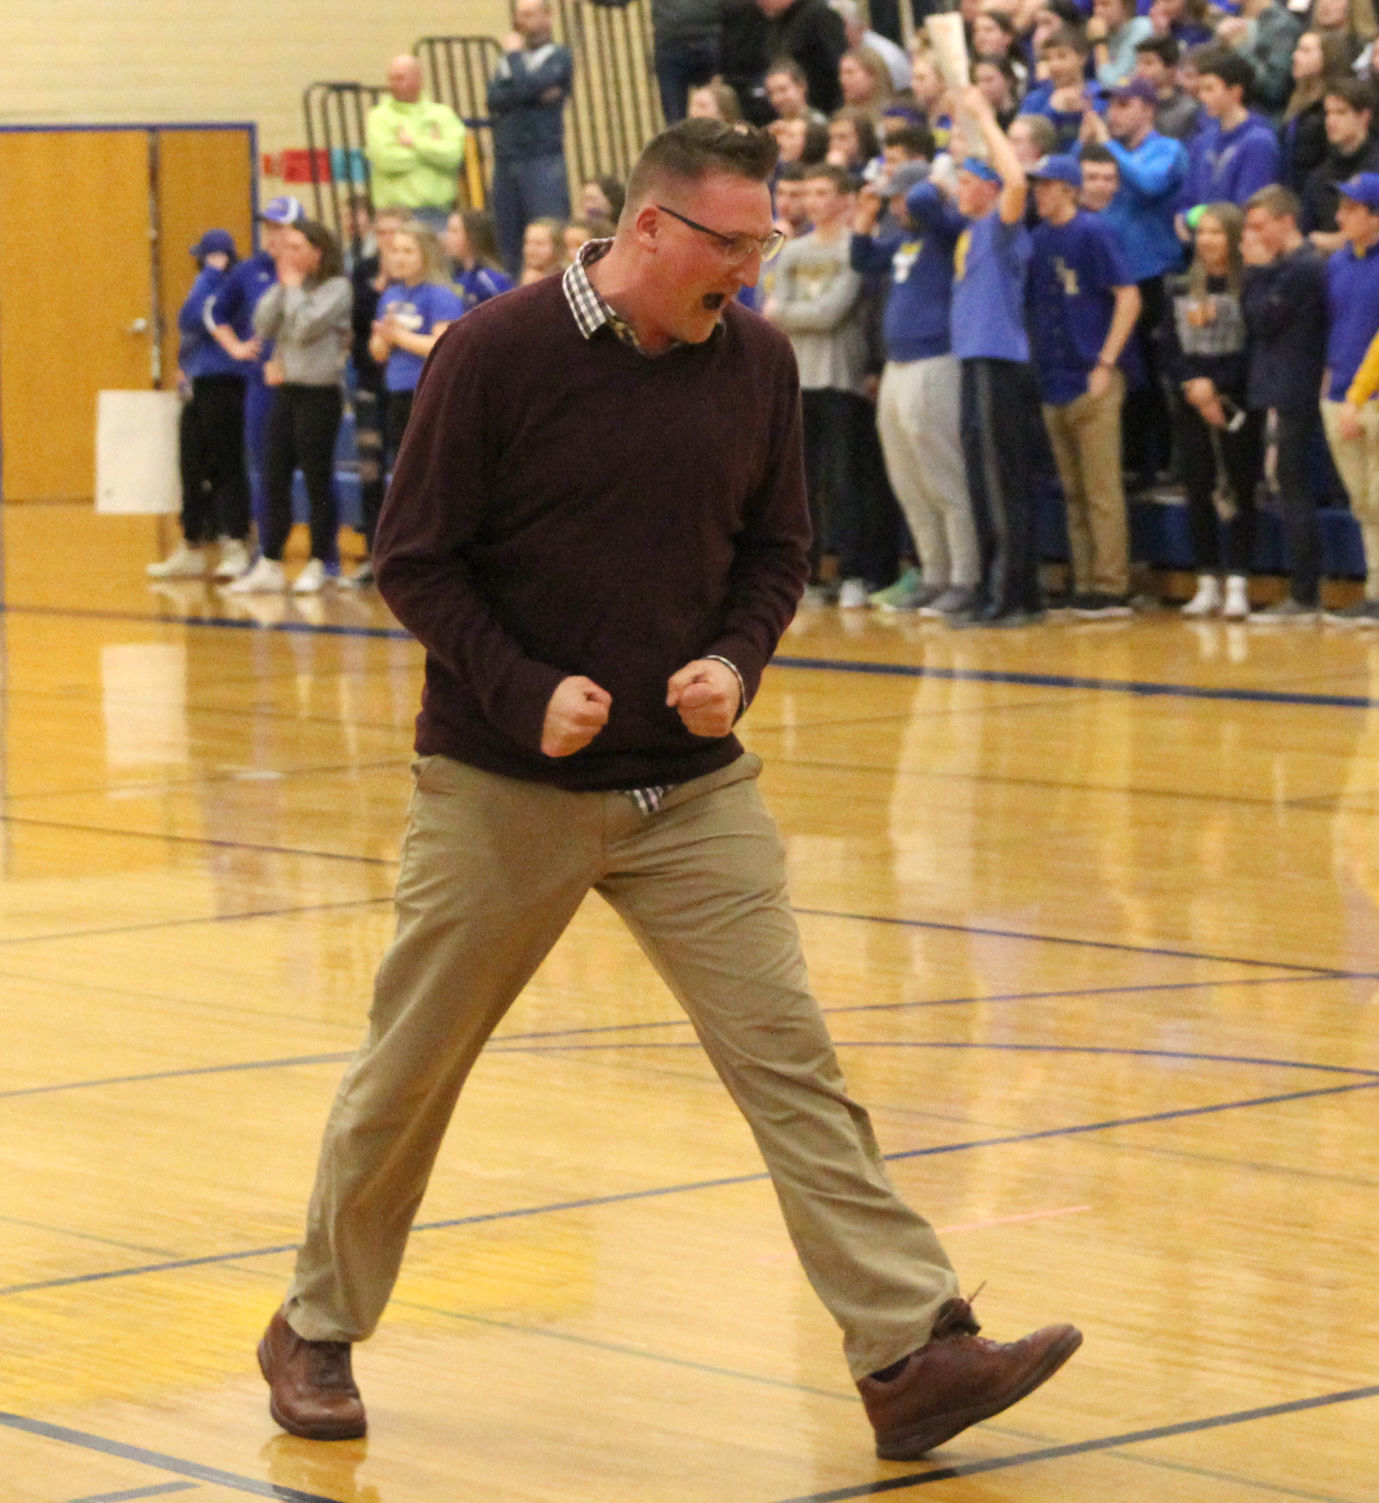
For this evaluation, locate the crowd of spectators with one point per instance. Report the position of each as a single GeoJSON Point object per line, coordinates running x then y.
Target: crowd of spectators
{"type": "Point", "coordinates": [1137, 251]}
{"type": "Point", "coordinates": [1120, 265]}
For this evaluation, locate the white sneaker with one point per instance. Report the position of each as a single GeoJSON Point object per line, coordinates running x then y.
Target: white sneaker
{"type": "Point", "coordinates": [265, 578]}
{"type": "Point", "coordinates": [1207, 600]}
{"type": "Point", "coordinates": [312, 579]}
{"type": "Point", "coordinates": [181, 563]}
{"type": "Point", "coordinates": [1237, 605]}
{"type": "Point", "coordinates": [853, 595]}
{"type": "Point", "coordinates": [234, 559]}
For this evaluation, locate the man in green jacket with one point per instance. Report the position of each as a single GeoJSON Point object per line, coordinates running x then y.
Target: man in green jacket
{"type": "Point", "coordinates": [415, 147]}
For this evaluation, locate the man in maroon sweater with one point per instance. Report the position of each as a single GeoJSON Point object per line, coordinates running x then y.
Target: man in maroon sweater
{"type": "Point", "coordinates": [597, 529]}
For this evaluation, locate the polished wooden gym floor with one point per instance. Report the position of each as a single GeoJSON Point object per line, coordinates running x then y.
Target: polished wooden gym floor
{"type": "Point", "coordinates": [1091, 909]}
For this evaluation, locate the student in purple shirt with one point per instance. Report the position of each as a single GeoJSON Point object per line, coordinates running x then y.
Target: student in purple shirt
{"type": "Point", "coordinates": [597, 528]}
{"type": "Point", "coordinates": [1237, 151]}
{"type": "Point", "coordinates": [1083, 304]}
{"type": "Point", "coordinates": [416, 308]}
{"type": "Point", "coordinates": [1001, 430]}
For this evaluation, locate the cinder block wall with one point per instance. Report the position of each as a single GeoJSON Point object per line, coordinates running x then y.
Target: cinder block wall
{"type": "Point", "coordinates": [120, 61]}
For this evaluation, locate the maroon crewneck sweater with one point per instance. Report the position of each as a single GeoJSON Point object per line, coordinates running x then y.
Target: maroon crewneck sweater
{"type": "Point", "coordinates": [569, 506]}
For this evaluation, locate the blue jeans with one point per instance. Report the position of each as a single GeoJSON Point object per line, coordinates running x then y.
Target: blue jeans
{"type": "Point", "coordinates": [680, 67]}
{"type": "Point", "coordinates": [523, 190]}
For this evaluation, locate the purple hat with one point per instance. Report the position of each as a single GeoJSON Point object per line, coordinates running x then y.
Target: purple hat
{"type": "Point", "coordinates": [983, 169]}
{"type": "Point", "coordinates": [1363, 188]}
{"type": "Point", "coordinates": [1135, 88]}
{"type": "Point", "coordinates": [1057, 169]}
{"type": "Point", "coordinates": [211, 242]}
{"type": "Point", "coordinates": [282, 210]}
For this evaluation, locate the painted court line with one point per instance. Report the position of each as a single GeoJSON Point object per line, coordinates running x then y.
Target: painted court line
{"type": "Point", "coordinates": [163, 1462]}
{"type": "Point", "coordinates": [256, 1488]}
{"type": "Point", "coordinates": [158, 1490]}
{"type": "Point", "coordinates": [1086, 1447]}
{"type": "Point", "coordinates": [1140, 688]}
{"type": "Point", "coordinates": [732, 1181]}
{"type": "Point", "coordinates": [981, 1226]}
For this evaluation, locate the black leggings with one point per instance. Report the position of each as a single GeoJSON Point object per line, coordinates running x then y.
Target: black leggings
{"type": "Point", "coordinates": [302, 429]}
{"type": "Point", "coordinates": [215, 483]}
{"type": "Point", "coordinates": [1218, 544]}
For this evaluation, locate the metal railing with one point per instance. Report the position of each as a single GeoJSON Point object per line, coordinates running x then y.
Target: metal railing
{"type": "Point", "coordinates": [457, 70]}
{"type": "Point", "coordinates": [336, 114]}
{"type": "Point", "coordinates": [614, 107]}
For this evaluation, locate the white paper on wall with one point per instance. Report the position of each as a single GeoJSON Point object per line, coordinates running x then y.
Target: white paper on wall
{"type": "Point", "coordinates": [136, 452]}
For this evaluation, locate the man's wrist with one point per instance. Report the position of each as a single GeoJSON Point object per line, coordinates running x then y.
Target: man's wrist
{"type": "Point", "coordinates": [728, 663]}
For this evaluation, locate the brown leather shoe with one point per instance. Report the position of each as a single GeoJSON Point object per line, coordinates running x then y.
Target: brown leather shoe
{"type": "Point", "coordinates": [957, 1378]}
{"type": "Point", "coordinates": [313, 1393]}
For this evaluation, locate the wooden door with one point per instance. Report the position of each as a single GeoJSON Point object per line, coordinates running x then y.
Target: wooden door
{"type": "Point", "coordinates": [76, 299]}
{"type": "Point", "coordinates": [204, 180]}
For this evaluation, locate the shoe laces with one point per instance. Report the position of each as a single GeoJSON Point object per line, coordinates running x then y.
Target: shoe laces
{"type": "Point", "coordinates": [955, 1318]}
{"type": "Point", "coordinates": [330, 1363]}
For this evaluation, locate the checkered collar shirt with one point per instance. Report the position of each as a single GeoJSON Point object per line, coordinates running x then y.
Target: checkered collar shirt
{"type": "Point", "coordinates": [592, 313]}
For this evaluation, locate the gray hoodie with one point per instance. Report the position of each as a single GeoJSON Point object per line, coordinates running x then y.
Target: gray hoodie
{"type": "Point", "coordinates": [310, 328]}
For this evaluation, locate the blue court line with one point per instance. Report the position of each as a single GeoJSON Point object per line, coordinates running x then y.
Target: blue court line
{"type": "Point", "coordinates": [1086, 1447]}
{"type": "Point", "coordinates": [1061, 939]}
{"type": "Point", "coordinates": [162, 837]}
{"type": "Point", "coordinates": [214, 1475]}
{"type": "Point", "coordinates": [1118, 1052]}
{"type": "Point", "coordinates": [291, 1062]}
{"type": "Point", "coordinates": [732, 1181]}
{"type": "Point", "coordinates": [1140, 688]}
{"type": "Point", "coordinates": [66, 936]}
{"type": "Point", "coordinates": [202, 1473]}
{"type": "Point", "coordinates": [158, 1490]}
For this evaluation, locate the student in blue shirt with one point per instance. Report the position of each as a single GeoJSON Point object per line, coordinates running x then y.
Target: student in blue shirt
{"type": "Point", "coordinates": [215, 487]}
{"type": "Point", "coordinates": [918, 406]}
{"type": "Point", "coordinates": [1082, 305]}
{"type": "Point", "coordinates": [416, 308]}
{"type": "Point", "coordinates": [1001, 430]}
{"type": "Point", "coordinates": [1067, 94]}
{"type": "Point", "coordinates": [1152, 168]}
{"type": "Point", "coordinates": [1352, 278]}
{"type": "Point", "coordinates": [1236, 152]}
{"type": "Point", "coordinates": [475, 266]}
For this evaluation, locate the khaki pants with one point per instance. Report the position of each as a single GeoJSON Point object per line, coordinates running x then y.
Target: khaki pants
{"type": "Point", "coordinates": [1085, 436]}
{"type": "Point", "coordinates": [918, 415]}
{"type": "Point", "coordinates": [1358, 461]}
{"type": "Point", "coordinates": [493, 870]}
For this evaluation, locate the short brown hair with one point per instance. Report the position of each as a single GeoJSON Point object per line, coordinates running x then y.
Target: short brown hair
{"type": "Point", "coordinates": [844, 181]}
{"type": "Point", "coordinates": [1358, 93]}
{"type": "Point", "coordinates": [696, 149]}
{"type": "Point", "coordinates": [1276, 201]}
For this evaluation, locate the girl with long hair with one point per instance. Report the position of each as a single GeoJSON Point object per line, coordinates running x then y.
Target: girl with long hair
{"type": "Point", "coordinates": [418, 305]}
{"type": "Point", "coordinates": [476, 266]}
{"type": "Point", "coordinates": [1317, 61]}
{"type": "Point", "coordinates": [1220, 442]}
{"type": "Point", "coordinates": [306, 314]}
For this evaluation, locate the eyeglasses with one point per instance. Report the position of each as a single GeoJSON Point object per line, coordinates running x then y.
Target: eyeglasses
{"type": "Point", "coordinates": [736, 248]}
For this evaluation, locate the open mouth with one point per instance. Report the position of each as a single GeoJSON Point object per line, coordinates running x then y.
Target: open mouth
{"type": "Point", "coordinates": [713, 301]}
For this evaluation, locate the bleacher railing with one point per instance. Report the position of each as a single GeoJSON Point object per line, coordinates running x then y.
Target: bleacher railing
{"type": "Point", "coordinates": [457, 70]}
{"type": "Point", "coordinates": [614, 108]}
{"type": "Point", "coordinates": [335, 124]}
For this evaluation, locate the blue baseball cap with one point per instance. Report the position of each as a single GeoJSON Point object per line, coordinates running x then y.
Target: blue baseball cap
{"type": "Point", "coordinates": [983, 169]}
{"type": "Point", "coordinates": [213, 241]}
{"type": "Point", "coordinates": [282, 210]}
{"type": "Point", "coordinates": [1363, 188]}
{"type": "Point", "coordinates": [1060, 168]}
